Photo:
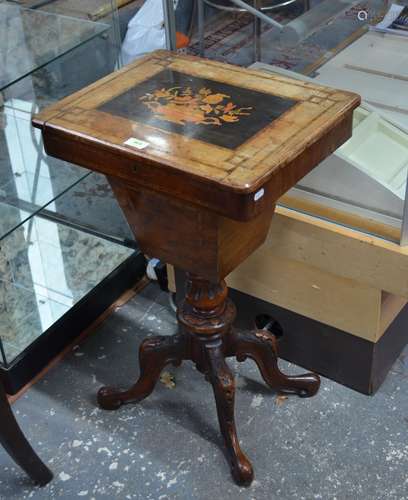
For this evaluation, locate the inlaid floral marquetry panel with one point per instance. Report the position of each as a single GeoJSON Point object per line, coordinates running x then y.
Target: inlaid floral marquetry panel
{"type": "Point", "coordinates": [211, 111]}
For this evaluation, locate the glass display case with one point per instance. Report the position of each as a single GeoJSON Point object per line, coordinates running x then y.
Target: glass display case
{"type": "Point", "coordinates": [362, 185]}
{"type": "Point", "coordinates": [65, 247]}
{"type": "Point", "coordinates": [47, 51]}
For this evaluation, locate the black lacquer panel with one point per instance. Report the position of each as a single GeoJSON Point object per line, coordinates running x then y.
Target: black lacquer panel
{"type": "Point", "coordinates": [207, 110]}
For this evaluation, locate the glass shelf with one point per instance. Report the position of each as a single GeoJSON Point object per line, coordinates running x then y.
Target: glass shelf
{"type": "Point", "coordinates": [31, 39]}
{"type": "Point", "coordinates": [29, 180]}
{"type": "Point", "coordinates": [44, 57]}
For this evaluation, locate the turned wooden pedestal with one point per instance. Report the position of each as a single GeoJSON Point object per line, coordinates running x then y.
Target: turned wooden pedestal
{"type": "Point", "coordinates": [206, 315]}
{"type": "Point", "coordinates": [197, 153]}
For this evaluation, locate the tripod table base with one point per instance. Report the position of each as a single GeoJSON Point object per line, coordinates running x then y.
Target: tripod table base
{"type": "Point", "coordinates": [207, 339]}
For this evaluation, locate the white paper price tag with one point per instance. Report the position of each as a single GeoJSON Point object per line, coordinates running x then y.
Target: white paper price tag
{"type": "Point", "coordinates": [136, 143]}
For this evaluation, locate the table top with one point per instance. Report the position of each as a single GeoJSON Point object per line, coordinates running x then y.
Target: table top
{"type": "Point", "coordinates": [31, 39]}
{"type": "Point", "coordinates": [200, 120]}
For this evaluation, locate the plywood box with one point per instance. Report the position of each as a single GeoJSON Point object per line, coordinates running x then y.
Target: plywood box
{"type": "Point", "coordinates": [340, 302]}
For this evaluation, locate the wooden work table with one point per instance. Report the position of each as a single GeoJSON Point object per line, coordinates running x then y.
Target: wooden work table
{"type": "Point", "coordinates": [197, 153]}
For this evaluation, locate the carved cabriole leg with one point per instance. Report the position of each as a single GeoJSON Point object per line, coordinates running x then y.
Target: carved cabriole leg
{"type": "Point", "coordinates": [207, 316]}
{"type": "Point", "coordinates": [154, 354]}
{"type": "Point", "coordinates": [223, 384]}
{"type": "Point", "coordinates": [261, 346]}
{"type": "Point", "coordinates": [17, 446]}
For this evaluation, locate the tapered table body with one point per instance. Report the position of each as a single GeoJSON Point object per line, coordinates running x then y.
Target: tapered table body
{"type": "Point", "coordinates": [197, 154]}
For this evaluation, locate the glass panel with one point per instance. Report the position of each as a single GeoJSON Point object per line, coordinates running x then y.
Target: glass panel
{"type": "Point", "coordinates": [92, 206]}
{"type": "Point", "coordinates": [28, 178]}
{"type": "Point", "coordinates": [46, 266]}
{"type": "Point", "coordinates": [45, 269]}
{"type": "Point", "coordinates": [11, 217]}
{"type": "Point", "coordinates": [335, 43]}
{"type": "Point", "coordinates": [31, 38]}
{"type": "Point", "coordinates": [65, 71]}
{"type": "Point", "coordinates": [363, 183]}
{"type": "Point", "coordinates": [233, 35]}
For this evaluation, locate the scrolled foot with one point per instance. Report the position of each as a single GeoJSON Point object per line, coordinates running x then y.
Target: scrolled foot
{"type": "Point", "coordinates": [308, 385]}
{"type": "Point", "coordinates": [242, 471]}
{"type": "Point", "coordinates": [109, 398]}
{"type": "Point", "coordinates": [261, 346]}
{"type": "Point", "coordinates": [154, 354]}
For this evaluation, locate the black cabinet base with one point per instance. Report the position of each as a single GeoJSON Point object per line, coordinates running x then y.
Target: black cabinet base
{"type": "Point", "coordinates": [335, 354]}
{"type": "Point", "coordinates": [36, 356]}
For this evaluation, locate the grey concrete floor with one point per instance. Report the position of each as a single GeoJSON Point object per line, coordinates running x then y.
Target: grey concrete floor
{"type": "Point", "coordinates": [337, 445]}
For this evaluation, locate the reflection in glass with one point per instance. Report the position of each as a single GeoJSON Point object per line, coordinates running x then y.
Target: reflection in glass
{"type": "Point", "coordinates": [29, 179]}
